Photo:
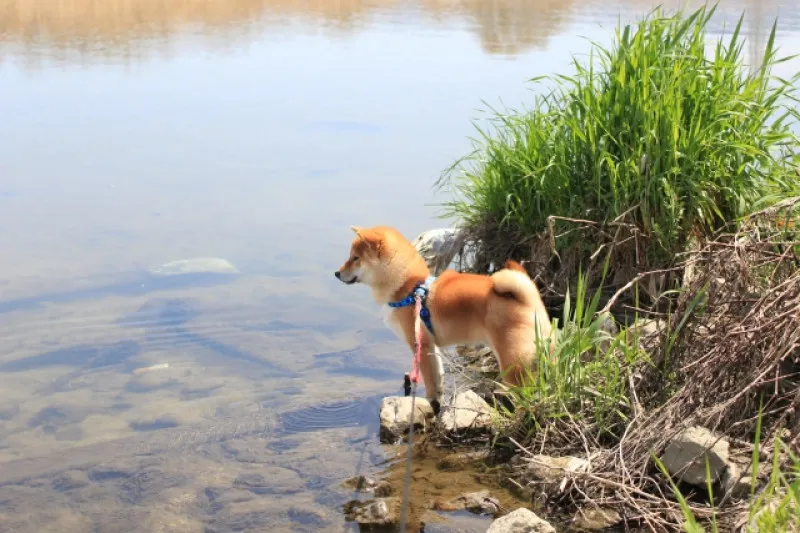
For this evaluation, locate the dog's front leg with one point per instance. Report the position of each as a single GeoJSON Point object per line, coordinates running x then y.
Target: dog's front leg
{"type": "Point", "coordinates": [432, 372]}
{"type": "Point", "coordinates": [430, 364]}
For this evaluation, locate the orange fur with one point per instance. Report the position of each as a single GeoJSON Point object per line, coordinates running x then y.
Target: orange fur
{"type": "Point", "coordinates": [503, 310]}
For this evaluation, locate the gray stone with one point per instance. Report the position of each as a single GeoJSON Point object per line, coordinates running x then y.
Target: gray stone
{"type": "Point", "coordinates": [686, 453]}
{"type": "Point", "coordinates": [438, 247]}
{"type": "Point", "coordinates": [468, 413]}
{"type": "Point", "coordinates": [609, 330]}
{"type": "Point", "coordinates": [520, 521]}
{"type": "Point", "coordinates": [734, 484]}
{"type": "Point", "coordinates": [196, 265]}
{"type": "Point", "coordinates": [378, 512]}
{"type": "Point", "coordinates": [395, 417]}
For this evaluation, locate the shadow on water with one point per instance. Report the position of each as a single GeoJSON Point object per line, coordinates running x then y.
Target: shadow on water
{"type": "Point", "coordinates": [164, 320]}
{"type": "Point", "coordinates": [86, 356]}
{"type": "Point", "coordinates": [137, 285]}
{"type": "Point", "coordinates": [356, 362]}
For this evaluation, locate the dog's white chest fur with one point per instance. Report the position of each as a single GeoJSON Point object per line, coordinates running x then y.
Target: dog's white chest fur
{"type": "Point", "coordinates": [390, 319]}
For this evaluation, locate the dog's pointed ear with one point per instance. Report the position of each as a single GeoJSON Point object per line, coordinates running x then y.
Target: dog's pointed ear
{"type": "Point", "coordinates": [369, 236]}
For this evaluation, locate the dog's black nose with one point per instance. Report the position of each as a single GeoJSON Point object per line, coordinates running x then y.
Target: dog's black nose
{"type": "Point", "coordinates": [338, 274]}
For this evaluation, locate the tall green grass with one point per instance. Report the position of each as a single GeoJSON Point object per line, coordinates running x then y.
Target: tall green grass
{"type": "Point", "coordinates": [585, 377]}
{"type": "Point", "coordinates": [679, 132]}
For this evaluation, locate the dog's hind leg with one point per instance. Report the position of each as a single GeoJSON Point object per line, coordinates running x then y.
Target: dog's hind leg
{"type": "Point", "coordinates": [515, 356]}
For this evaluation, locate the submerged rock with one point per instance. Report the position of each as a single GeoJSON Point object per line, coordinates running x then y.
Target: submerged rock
{"type": "Point", "coordinates": [371, 513]}
{"type": "Point", "coordinates": [71, 479]}
{"type": "Point", "coordinates": [395, 417]}
{"type": "Point", "coordinates": [362, 483]}
{"type": "Point", "coordinates": [270, 480]}
{"type": "Point", "coordinates": [686, 453]}
{"type": "Point", "coordinates": [469, 413]}
{"type": "Point", "coordinates": [458, 461]}
{"type": "Point", "coordinates": [480, 502]}
{"type": "Point", "coordinates": [520, 521]}
{"type": "Point", "coordinates": [197, 265]}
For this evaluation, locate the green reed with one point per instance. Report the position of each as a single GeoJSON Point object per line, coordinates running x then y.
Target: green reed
{"type": "Point", "coordinates": [678, 133]}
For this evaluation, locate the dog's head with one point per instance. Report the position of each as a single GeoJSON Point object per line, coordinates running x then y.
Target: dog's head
{"type": "Point", "coordinates": [365, 260]}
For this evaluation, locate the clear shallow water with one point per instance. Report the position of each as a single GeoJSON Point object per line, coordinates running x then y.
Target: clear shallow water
{"type": "Point", "coordinates": [133, 133]}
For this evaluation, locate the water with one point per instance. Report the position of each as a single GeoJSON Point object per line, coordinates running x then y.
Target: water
{"type": "Point", "coordinates": [138, 132]}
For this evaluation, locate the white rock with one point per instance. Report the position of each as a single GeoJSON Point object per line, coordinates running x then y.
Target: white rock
{"type": "Point", "coordinates": [197, 265]}
{"type": "Point", "coordinates": [438, 247]}
{"type": "Point", "coordinates": [520, 521]}
{"type": "Point", "coordinates": [685, 456]}
{"type": "Point", "coordinates": [396, 416]}
{"type": "Point", "coordinates": [468, 412]}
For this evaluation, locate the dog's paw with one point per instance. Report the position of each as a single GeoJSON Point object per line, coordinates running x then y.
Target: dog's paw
{"type": "Point", "coordinates": [436, 406]}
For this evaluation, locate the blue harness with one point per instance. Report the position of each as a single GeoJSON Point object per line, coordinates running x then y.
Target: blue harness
{"type": "Point", "coordinates": [421, 291]}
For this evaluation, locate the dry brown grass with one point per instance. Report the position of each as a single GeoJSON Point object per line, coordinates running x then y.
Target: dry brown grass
{"type": "Point", "coordinates": [729, 351]}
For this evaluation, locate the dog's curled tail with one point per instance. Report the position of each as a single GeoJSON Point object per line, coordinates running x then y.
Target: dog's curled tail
{"type": "Point", "coordinates": [512, 281]}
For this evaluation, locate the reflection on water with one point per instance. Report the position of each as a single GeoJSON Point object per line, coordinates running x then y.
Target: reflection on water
{"type": "Point", "coordinates": [229, 402]}
{"type": "Point", "coordinates": [128, 28]}
{"type": "Point", "coordinates": [133, 28]}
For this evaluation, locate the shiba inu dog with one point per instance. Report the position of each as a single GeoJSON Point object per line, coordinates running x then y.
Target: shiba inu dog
{"type": "Point", "coordinates": [503, 310]}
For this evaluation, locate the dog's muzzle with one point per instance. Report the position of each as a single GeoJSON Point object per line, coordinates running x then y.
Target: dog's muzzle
{"type": "Point", "coordinates": [347, 281]}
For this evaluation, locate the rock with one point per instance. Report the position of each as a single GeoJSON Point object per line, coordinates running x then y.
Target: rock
{"type": "Point", "coordinates": [647, 332]}
{"type": "Point", "coordinates": [520, 521]}
{"type": "Point", "coordinates": [685, 455]}
{"type": "Point", "coordinates": [197, 265]}
{"type": "Point", "coordinates": [467, 414]}
{"type": "Point", "coordinates": [166, 521]}
{"type": "Point", "coordinates": [480, 502]}
{"type": "Point", "coordinates": [396, 417]}
{"type": "Point", "coordinates": [378, 512]}
{"type": "Point", "coordinates": [595, 519]}
{"type": "Point", "coordinates": [609, 330]}
{"type": "Point", "coordinates": [149, 382]}
{"type": "Point", "coordinates": [438, 247]}
{"type": "Point", "coordinates": [71, 479]}
{"type": "Point", "coordinates": [270, 480]}
{"type": "Point", "coordinates": [734, 484]}
{"type": "Point", "coordinates": [379, 487]}
{"type": "Point", "coordinates": [552, 472]}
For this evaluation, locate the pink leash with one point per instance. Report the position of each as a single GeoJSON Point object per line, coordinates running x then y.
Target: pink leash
{"type": "Point", "coordinates": [414, 376]}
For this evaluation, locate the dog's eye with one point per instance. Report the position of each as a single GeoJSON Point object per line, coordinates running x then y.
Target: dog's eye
{"type": "Point", "coordinates": [355, 258]}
